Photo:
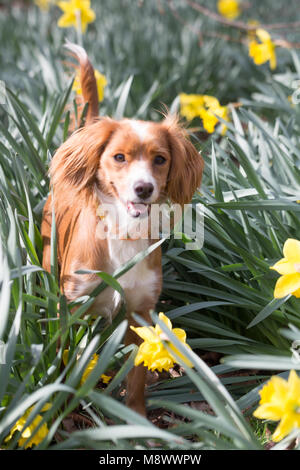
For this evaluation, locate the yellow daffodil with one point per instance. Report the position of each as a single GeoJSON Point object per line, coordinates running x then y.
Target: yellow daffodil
{"type": "Point", "coordinates": [105, 378]}
{"type": "Point", "coordinates": [206, 107]}
{"type": "Point", "coordinates": [27, 432]}
{"type": "Point", "coordinates": [213, 108]}
{"type": "Point", "coordinates": [264, 50]}
{"type": "Point", "coordinates": [230, 9]}
{"type": "Point", "coordinates": [100, 80]}
{"type": "Point", "coordinates": [209, 120]}
{"type": "Point", "coordinates": [190, 105]}
{"type": "Point", "coordinates": [289, 268]}
{"type": "Point", "coordinates": [91, 365]}
{"type": "Point", "coordinates": [280, 401]}
{"type": "Point", "coordinates": [44, 4]}
{"type": "Point", "coordinates": [152, 351]}
{"type": "Point", "coordinates": [76, 12]}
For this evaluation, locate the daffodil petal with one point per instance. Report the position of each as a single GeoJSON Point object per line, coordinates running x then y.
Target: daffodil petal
{"type": "Point", "coordinates": [165, 319]}
{"type": "Point", "coordinates": [65, 21]}
{"type": "Point", "coordinates": [280, 401]}
{"type": "Point", "coordinates": [264, 50]}
{"type": "Point", "coordinates": [147, 333]}
{"type": "Point", "coordinates": [105, 378]}
{"type": "Point", "coordinates": [286, 285]}
{"type": "Point", "coordinates": [294, 384]}
{"type": "Point", "coordinates": [209, 120]}
{"type": "Point", "coordinates": [180, 334]}
{"type": "Point", "coordinates": [178, 353]}
{"type": "Point", "coordinates": [229, 8]}
{"type": "Point", "coordinates": [26, 433]}
{"type": "Point", "coordinates": [263, 35]}
{"type": "Point", "coordinates": [284, 266]}
{"type": "Point", "coordinates": [192, 99]}
{"type": "Point", "coordinates": [296, 293]}
{"type": "Point", "coordinates": [63, 5]}
{"type": "Point", "coordinates": [285, 426]}
{"type": "Point", "coordinates": [76, 10]}
{"type": "Point", "coordinates": [291, 250]}
{"type": "Point", "coordinates": [211, 101]}
{"type": "Point", "coordinates": [46, 407]}
{"type": "Point", "coordinates": [268, 411]}
{"type": "Point", "coordinates": [273, 60]}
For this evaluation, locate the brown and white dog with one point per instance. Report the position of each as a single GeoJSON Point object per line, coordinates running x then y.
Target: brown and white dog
{"type": "Point", "coordinates": [130, 164]}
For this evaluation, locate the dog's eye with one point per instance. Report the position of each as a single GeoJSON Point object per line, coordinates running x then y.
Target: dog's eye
{"type": "Point", "coordinates": [159, 160]}
{"type": "Point", "coordinates": [119, 157]}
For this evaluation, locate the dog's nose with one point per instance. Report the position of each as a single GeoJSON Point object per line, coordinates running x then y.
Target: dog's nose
{"type": "Point", "coordinates": [143, 190]}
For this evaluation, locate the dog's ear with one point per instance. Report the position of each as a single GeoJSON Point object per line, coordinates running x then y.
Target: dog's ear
{"type": "Point", "coordinates": [186, 164]}
{"type": "Point", "coordinates": [76, 161]}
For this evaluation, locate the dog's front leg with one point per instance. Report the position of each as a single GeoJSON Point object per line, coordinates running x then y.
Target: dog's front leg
{"type": "Point", "coordinates": [135, 397]}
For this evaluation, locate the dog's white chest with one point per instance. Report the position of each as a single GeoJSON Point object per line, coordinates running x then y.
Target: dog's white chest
{"type": "Point", "coordinates": [138, 283]}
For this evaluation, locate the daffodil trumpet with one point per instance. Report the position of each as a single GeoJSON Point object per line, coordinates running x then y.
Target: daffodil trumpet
{"type": "Point", "coordinates": [153, 352]}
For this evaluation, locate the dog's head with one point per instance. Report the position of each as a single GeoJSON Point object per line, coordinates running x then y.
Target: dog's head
{"type": "Point", "coordinates": [137, 162]}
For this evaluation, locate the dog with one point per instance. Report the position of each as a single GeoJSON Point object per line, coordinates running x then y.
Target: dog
{"type": "Point", "coordinates": [130, 165]}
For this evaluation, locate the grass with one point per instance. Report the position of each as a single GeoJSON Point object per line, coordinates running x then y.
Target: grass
{"type": "Point", "coordinates": [221, 294]}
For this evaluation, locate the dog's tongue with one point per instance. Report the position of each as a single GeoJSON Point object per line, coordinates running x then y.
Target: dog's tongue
{"type": "Point", "coordinates": [136, 209]}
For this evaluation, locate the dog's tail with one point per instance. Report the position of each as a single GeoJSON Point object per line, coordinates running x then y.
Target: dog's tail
{"type": "Point", "coordinates": [87, 80]}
